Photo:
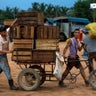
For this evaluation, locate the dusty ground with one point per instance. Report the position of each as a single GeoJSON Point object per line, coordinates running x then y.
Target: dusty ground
{"type": "Point", "coordinates": [48, 88]}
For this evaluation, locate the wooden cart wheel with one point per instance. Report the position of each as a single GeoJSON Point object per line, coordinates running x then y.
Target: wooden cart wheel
{"type": "Point", "coordinates": [92, 79]}
{"type": "Point", "coordinates": [29, 79]}
{"type": "Point", "coordinates": [41, 72]}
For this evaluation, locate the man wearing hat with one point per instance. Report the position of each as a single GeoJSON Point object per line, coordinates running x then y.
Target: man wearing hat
{"type": "Point", "coordinates": [90, 47]}
{"type": "Point", "coordinates": [4, 50]}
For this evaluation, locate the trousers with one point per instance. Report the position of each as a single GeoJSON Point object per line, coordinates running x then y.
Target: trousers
{"type": "Point", "coordinates": [5, 67]}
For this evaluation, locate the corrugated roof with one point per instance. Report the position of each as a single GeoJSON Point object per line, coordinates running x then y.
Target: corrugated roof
{"type": "Point", "coordinates": [72, 19]}
{"type": "Point", "coordinates": [80, 20]}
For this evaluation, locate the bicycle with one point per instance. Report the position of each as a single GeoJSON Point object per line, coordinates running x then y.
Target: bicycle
{"type": "Point", "coordinates": [91, 77]}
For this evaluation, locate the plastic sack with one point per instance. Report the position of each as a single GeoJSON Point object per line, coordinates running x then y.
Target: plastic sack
{"type": "Point", "coordinates": [58, 68]}
{"type": "Point", "coordinates": [92, 30]}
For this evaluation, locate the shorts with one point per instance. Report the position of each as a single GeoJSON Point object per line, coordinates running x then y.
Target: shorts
{"type": "Point", "coordinates": [74, 62]}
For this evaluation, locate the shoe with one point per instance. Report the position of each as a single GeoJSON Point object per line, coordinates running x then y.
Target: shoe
{"type": "Point", "coordinates": [11, 84]}
{"type": "Point", "coordinates": [14, 87]}
{"type": "Point", "coordinates": [1, 71]}
{"type": "Point", "coordinates": [86, 83]}
{"type": "Point", "coordinates": [61, 84]}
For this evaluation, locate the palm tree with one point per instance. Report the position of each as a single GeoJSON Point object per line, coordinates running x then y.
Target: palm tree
{"type": "Point", "coordinates": [35, 6]}
{"type": "Point", "coordinates": [63, 11]}
{"type": "Point", "coordinates": [15, 11]}
{"type": "Point", "coordinates": [49, 11]}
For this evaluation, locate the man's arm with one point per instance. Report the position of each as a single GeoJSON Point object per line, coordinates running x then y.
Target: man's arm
{"type": "Point", "coordinates": [81, 47]}
{"type": "Point", "coordinates": [5, 52]}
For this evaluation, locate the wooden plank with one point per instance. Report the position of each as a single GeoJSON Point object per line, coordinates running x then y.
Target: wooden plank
{"type": "Point", "coordinates": [30, 18]}
{"type": "Point", "coordinates": [18, 32]}
{"type": "Point", "coordinates": [22, 58]}
{"type": "Point", "coordinates": [43, 56]}
{"type": "Point", "coordinates": [32, 32]}
{"type": "Point", "coordinates": [23, 53]}
{"type": "Point", "coordinates": [27, 19]}
{"type": "Point", "coordinates": [47, 48]}
{"type": "Point", "coordinates": [46, 44]}
{"type": "Point", "coordinates": [8, 22]}
{"type": "Point", "coordinates": [27, 23]}
{"type": "Point", "coordinates": [40, 18]}
{"type": "Point", "coordinates": [25, 30]}
{"type": "Point", "coordinates": [23, 46]}
{"type": "Point", "coordinates": [24, 41]}
{"type": "Point", "coordinates": [45, 32]}
{"type": "Point", "coordinates": [50, 32]}
{"type": "Point", "coordinates": [56, 32]}
{"type": "Point", "coordinates": [27, 14]}
{"type": "Point", "coordinates": [40, 32]}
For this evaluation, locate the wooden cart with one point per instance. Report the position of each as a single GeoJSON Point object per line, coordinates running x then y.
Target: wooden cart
{"type": "Point", "coordinates": [34, 50]}
{"type": "Point", "coordinates": [40, 61]}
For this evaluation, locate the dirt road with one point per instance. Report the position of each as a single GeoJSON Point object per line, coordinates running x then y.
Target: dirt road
{"type": "Point", "coordinates": [48, 88]}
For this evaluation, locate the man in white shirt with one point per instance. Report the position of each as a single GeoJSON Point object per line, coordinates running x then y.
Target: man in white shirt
{"type": "Point", "coordinates": [4, 50]}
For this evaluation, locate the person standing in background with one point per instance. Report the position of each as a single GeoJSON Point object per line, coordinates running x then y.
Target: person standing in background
{"type": "Point", "coordinates": [90, 45]}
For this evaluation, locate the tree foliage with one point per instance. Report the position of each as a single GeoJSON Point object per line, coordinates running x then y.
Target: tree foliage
{"type": "Point", "coordinates": [80, 9]}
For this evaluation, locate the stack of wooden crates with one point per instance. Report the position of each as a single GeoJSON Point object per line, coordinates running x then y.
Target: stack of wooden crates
{"type": "Point", "coordinates": [34, 42]}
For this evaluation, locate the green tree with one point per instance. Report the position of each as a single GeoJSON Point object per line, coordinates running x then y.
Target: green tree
{"type": "Point", "coordinates": [82, 9]}
{"type": "Point", "coordinates": [35, 6]}
{"type": "Point", "coordinates": [15, 11]}
{"type": "Point", "coordinates": [49, 11]}
{"type": "Point", "coordinates": [64, 11]}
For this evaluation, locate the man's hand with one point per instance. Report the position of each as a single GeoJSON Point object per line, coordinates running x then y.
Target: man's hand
{"type": "Point", "coordinates": [82, 43]}
{"type": "Point", "coordinates": [10, 51]}
{"type": "Point", "coordinates": [64, 56]}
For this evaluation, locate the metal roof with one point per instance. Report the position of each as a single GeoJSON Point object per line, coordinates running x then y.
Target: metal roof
{"type": "Point", "coordinates": [72, 19]}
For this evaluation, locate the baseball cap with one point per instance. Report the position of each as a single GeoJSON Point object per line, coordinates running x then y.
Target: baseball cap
{"type": "Point", "coordinates": [84, 30]}
{"type": "Point", "coordinates": [2, 28]}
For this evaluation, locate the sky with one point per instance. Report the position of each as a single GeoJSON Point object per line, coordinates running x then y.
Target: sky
{"type": "Point", "coordinates": [25, 4]}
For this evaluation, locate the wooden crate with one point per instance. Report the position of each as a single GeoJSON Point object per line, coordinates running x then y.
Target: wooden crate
{"type": "Point", "coordinates": [23, 43]}
{"type": "Point", "coordinates": [22, 56]}
{"type": "Point", "coordinates": [30, 18]}
{"type": "Point", "coordinates": [49, 44]}
{"type": "Point", "coordinates": [23, 32]}
{"type": "Point", "coordinates": [43, 56]}
{"type": "Point", "coordinates": [48, 32]}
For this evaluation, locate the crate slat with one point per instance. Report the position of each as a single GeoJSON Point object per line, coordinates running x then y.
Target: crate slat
{"type": "Point", "coordinates": [22, 58]}
{"type": "Point", "coordinates": [46, 44]}
{"type": "Point", "coordinates": [48, 32]}
{"type": "Point", "coordinates": [30, 18]}
{"type": "Point", "coordinates": [43, 56]}
{"type": "Point", "coordinates": [23, 43]}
